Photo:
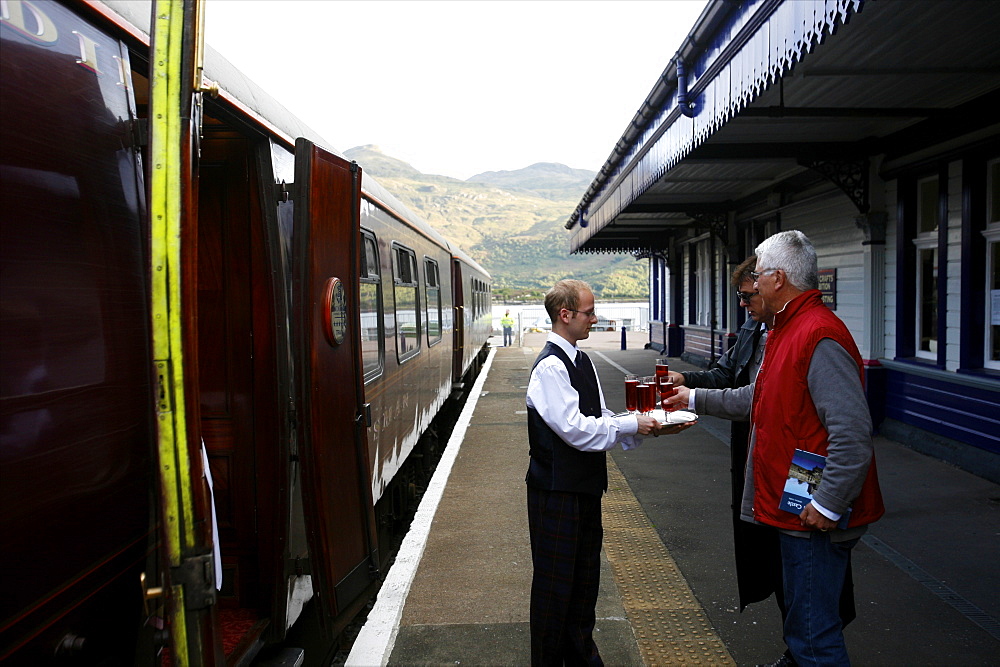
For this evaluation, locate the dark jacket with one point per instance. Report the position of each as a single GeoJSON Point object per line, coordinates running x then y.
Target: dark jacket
{"type": "Point", "coordinates": [758, 563]}
{"type": "Point", "coordinates": [732, 364]}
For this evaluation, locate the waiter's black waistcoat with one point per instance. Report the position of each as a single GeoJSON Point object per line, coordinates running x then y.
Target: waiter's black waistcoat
{"type": "Point", "coordinates": [555, 466]}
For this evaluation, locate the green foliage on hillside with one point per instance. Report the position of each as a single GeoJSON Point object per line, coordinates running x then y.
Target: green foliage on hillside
{"type": "Point", "coordinates": [515, 231]}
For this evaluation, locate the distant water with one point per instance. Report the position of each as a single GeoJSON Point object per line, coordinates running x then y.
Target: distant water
{"type": "Point", "coordinates": [633, 315]}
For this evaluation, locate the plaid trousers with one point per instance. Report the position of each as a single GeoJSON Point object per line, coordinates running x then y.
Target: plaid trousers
{"type": "Point", "coordinates": [566, 536]}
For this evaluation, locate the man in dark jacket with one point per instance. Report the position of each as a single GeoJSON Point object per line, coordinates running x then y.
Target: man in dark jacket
{"type": "Point", "coordinates": [758, 562]}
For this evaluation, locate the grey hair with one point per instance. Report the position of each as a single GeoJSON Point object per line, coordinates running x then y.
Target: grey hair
{"type": "Point", "coordinates": [791, 252]}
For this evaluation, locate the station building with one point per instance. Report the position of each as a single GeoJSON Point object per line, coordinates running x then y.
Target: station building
{"type": "Point", "coordinates": [873, 126]}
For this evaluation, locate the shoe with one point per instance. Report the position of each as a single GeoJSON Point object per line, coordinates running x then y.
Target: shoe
{"type": "Point", "coordinates": [784, 661]}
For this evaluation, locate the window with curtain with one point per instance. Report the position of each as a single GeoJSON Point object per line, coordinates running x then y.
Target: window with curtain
{"type": "Point", "coordinates": [432, 299]}
{"type": "Point", "coordinates": [372, 340]}
{"type": "Point", "coordinates": [405, 290]}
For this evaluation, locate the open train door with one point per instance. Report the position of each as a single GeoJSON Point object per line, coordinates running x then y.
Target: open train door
{"type": "Point", "coordinates": [175, 75]}
{"type": "Point", "coordinates": [336, 488]}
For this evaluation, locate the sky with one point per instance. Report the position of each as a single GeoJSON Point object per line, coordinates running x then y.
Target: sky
{"type": "Point", "coordinates": [455, 87]}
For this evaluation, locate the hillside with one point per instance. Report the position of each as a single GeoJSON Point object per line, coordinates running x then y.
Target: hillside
{"type": "Point", "coordinates": [511, 222]}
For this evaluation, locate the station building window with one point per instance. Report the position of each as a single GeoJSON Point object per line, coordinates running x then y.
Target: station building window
{"type": "Point", "coordinates": [991, 357]}
{"type": "Point", "coordinates": [703, 289]}
{"type": "Point", "coordinates": [405, 290]}
{"type": "Point", "coordinates": [372, 340]}
{"type": "Point", "coordinates": [432, 299]}
{"type": "Point", "coordinates": [927, 264]}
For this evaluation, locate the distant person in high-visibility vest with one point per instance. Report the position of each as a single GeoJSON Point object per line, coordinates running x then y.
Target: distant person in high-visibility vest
{"type": "Point", "coordinates": [507, 322]}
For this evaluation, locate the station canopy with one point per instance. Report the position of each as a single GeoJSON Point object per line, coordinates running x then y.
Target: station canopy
{"type": "Point", "coordinates": [765, 98]}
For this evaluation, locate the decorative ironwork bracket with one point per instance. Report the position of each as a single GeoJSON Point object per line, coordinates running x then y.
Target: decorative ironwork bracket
{"type": "Point", "coordinates": [851, 176]}
{"type": "Point", "coordinates": [650, 253]}
{"type": "Point", "coordinates": [716, 223]}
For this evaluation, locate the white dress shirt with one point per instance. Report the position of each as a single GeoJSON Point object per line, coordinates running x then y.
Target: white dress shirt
{"type": "Point", "coordinates": [552, 395]}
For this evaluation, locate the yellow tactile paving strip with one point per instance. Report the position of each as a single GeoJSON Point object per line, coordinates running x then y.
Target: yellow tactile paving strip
{"type": "Point", "coordinates": [670, 625]}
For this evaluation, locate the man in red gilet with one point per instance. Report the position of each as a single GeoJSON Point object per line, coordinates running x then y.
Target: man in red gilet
{"type": "Point", "coordinates": [811, 466]}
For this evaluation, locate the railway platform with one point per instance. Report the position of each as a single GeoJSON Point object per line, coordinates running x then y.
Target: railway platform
{"type": "Point", "coordinates": [927, 580]}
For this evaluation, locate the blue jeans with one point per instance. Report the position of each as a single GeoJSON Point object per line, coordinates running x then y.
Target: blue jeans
{"type": "Point", "coordinates": [813, 571]}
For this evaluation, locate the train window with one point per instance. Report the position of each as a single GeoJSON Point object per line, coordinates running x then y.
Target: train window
{"type": "Point", "coordinates": [432, 299]}
{"type": "Point", "coordinates": [405, 286]}
{"type": "Point", "coordinates": [372, 340]}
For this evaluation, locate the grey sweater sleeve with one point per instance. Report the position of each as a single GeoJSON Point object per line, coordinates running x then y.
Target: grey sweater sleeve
{"type": "Point", "coordinates": [731, 404]}
{"type": "Point", "coordinates": [843, 410]}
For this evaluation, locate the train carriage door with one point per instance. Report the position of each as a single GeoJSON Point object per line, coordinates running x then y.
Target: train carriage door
{"type": "Point", "coordinates": [174, 126]}
{"type": "Point", "coordinates": [333, 452]}
{"type": "Point", "coordinates": [458, 348]}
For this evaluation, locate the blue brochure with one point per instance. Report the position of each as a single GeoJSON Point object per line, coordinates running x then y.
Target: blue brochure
{"type": "Point", "coordinates": [804, 475]}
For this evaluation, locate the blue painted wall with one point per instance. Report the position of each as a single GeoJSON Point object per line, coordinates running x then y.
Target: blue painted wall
{"type": "Point", "coordinates": [959, 412]}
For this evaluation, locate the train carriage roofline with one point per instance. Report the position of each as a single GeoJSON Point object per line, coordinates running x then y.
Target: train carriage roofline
{"type": "Point", "coordinates": [374, 191]}
{"type": "Point", "coordinates": [235, 88]}
{"type": "Point", "coordinates": [253, 102]}
{"type": "Point", "coordinates": [464, 257]}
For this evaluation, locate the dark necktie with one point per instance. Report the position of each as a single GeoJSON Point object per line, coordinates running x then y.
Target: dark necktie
{"type": "Point", "coordinates": [579, 357]}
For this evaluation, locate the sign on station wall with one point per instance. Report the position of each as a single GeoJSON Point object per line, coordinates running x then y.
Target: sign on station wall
{"type": "Point", "coordinates": [828, 286]}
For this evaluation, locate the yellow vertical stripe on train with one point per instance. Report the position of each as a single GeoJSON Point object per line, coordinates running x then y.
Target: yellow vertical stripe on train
{"type": "Point", "coordinates": [166, 132]}
{"type": "Point", "coordinates": [670, 625]}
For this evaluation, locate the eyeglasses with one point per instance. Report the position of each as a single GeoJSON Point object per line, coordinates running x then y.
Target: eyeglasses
{"type": "Point", "coordinates": [588, 313]}
{"type": "Point", "coordinates": [757, 274]}
{"type": "Point", "coordinates": [744, 297]}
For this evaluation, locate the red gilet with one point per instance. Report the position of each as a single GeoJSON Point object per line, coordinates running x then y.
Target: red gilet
{"type": "Point", "coordinates": [783, 381]}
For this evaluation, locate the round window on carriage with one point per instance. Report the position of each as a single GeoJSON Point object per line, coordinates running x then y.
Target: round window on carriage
{"type": "Point", "coordinates": [334, 311]}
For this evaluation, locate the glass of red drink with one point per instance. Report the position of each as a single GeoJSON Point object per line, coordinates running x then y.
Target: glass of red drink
{"type": "Point", "coordinates": [666, 386]}
{"type": "Point", "coordinates": [662, 367]}
{"type": "Point", "coordinates": [647, 394]}
{"type": "Point", "coordinates": [631, 393]}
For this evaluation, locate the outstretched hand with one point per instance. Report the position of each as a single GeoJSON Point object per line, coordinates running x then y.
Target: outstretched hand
{"type": "Point", "coordinates": [674, 429]}
{"type": "Point", "coordinates": [653, 427]}
{"type": "Point", "coordinates": [678, 400]}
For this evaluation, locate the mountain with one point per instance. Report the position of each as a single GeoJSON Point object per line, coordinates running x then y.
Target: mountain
{"type": "Point", "coordinates": [547, 179]}
{"type": "Point", "coordinates": [511, 222]}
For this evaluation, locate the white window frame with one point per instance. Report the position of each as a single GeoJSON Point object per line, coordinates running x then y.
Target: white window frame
{"type": "Point", "coordinates": [925, 242]}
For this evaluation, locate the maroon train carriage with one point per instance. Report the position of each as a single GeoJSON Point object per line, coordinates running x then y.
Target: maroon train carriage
{"type": "Point", "coordinates": [476, 323]}
{"type": "Point", "coordinates": [325, 328]}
